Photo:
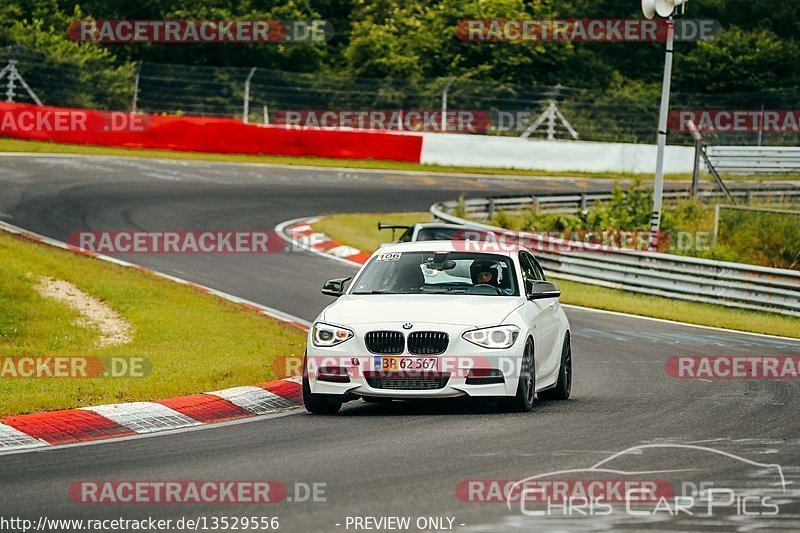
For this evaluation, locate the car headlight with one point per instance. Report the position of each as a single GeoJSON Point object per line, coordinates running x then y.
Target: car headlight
{"type": "Point", "coordinates": [497, 337]}
{"type": "Point", "coordinates": [327, 335]}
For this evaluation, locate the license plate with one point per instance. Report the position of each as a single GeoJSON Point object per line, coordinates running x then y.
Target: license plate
{"type": "Point", "coordinates": [409, 364]}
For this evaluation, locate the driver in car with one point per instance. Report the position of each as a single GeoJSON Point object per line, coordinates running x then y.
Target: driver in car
{"type": "Point", "coordinates": [485, 277]}
{"type": "Point", "coordinates": [488, 273]}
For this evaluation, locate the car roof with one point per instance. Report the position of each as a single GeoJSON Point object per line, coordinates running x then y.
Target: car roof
{"type": "Point", "coordinates": [441, 246]}
{"type": "Point", "coordinates": [439, 225]}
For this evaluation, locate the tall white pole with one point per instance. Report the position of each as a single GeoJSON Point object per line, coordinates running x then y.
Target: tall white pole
{"type": "Point", "coordinates": [444, 103]}
{"type": "Point", "coordinates": [246, 105]}
{"type": "Point", "coordinates": [136, 87]}
{"type": "Point", "coordinates": [658, 186]}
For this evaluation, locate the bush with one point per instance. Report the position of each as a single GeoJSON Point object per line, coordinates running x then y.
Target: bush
{"type": "Point", "coordinates": [764, 238]}
{"type": "Point", "coordinates": [761, 238]}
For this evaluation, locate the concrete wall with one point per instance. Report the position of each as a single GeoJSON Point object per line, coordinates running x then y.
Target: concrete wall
{"type": "Point", "coordinates": [574, 156]}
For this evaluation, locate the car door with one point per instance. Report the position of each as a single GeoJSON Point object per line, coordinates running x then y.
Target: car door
{"type": "Point", "coordinates": [542, 313]}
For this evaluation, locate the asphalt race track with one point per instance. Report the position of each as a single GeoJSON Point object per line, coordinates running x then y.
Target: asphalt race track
{"type": "Point", "coordinates": [403, 459]}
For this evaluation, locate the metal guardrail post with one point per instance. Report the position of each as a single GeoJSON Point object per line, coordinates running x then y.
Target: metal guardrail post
{"type": "Point", "coordinates": [717, 177]}
{"type": "Point", "coordinates": [698, 148]}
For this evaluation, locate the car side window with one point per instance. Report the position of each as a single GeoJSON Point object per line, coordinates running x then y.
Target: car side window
{"type": "Point", "coordinates": [407, 234]}
{"type": "Point", "coordinates": [531, 271]}
{"type": "Point", "coordinates": [528, 271]}
{"type": "Point", "coordinates": [539, 271]}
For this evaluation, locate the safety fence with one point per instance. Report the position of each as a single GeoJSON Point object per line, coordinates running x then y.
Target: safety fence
{"type": "Point", "coordinates": [487, 208]}
{"type": "Point", "coordinates": [258, 95]}
{"type": "Point", "coordinates": [686, 278]}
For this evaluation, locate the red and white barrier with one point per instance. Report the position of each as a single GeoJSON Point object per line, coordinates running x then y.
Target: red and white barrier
{"type": "Point", "coordinates": [219, 135]}
{"type": "Point", "coordinates": [127, 419]}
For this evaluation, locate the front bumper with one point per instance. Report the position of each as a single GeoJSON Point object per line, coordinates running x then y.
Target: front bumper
{"type": "Point", "coordinates": [356, 373]}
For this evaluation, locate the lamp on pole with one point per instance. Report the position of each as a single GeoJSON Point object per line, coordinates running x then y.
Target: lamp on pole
{"type": "Point", "coordinates": [665, 9]}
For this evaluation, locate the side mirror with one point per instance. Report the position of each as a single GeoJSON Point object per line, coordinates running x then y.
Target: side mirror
{"type": "Point", "coordinates": [538, 290]}
{"type": "Point", "coordinates": [334, 287]}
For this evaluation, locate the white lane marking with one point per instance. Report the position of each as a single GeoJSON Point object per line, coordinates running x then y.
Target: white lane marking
{"type": "Point", "coordinates": [313, 239]}
{"type": "Point", "coordinates": [344, 251]}
{"type": "Point", "coordinates": [14, 439]}
{"type": "Point", "coordinates": [144, 417]}
{"type": "Point", "coordinates": [677, 323]}
{"type": "Point", "coordinates": [420, 173]}
{"type": "Point", "coordinates": [254, 399]}
{"type": "Point", "coordinates": [301, 229]}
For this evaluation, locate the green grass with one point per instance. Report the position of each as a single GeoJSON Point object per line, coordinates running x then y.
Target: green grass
{"type": "Point", "coordinates": [16, 145]}
{"type": "Point", "coordinates": [359, 230]}
{"type": "Point", "coordinates": [194, 342]}
{"type": "Point", "coordinates": [752, 237]}
{"type": "Point", "coordinates": [679, 310]}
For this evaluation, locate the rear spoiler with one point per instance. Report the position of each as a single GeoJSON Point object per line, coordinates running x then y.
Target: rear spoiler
{"type": "Point", "coordinates": [393, 227]}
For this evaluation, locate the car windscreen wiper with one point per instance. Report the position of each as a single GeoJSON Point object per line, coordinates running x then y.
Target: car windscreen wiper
{"type": "Point", "coordinates": [375, 292]}
{"type": "Point", "coordinates": [444, 290]}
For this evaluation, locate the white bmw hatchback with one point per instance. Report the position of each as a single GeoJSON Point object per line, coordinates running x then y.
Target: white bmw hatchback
{"type": "Point", "coordinates": [438, 320]}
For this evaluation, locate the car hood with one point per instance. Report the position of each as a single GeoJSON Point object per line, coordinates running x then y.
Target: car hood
{"type": "Point", "coordinates": [477, 311]}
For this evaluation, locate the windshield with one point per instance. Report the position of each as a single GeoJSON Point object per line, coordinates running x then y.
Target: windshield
{"type": "Point", "coordinates": [438, 273]}
{"type": "Point", "coordinates": [437, 234]}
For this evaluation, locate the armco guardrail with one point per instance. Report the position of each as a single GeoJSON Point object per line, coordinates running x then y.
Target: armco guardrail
{"type": "Point", "coordinates": [687, 278]}
{"type": "Point", "coordinates": [570, 203]}
{"type": "Point", "coordinates": [754, 159]}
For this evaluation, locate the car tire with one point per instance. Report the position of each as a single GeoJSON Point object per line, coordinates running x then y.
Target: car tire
{"type": "Point", "coordinates": [318, 404]}
{"type": "Point", "coordinates": [526, 388]}
{"type": "Point", "coordinates": [563, 386]}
